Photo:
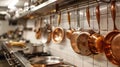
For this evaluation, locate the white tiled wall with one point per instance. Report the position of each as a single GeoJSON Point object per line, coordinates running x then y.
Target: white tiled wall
{"type": "Point", "coordinates": [4, 26]}
{"type": "Point", "coordinates": [64, 49]}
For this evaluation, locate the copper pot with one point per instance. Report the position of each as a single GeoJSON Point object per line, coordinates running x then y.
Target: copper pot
{"type": "Point", "coordinates": [50, 31]}
{"type": "Point", "coordinates": [112, 40]}
{"type": "Point", "coordinates": [73, 41]}
{"type": "Point", "coordinates": [80, 42]}
{"type": "Point", "coordinates": [70, 30]}
{"type": "Point", "coordinates": [83, 43]}
{"type": "Point", "coordinates": [89, 42]}
{"type": "Point", "coordinates": [96, 41]}
{"type": "Point", "coordinates": [38, 31]}
{"type": "Point", "coordinates": [58, 33]}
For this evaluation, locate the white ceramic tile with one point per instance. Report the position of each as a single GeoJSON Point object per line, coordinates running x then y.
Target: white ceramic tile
{"type": "Point", "coordinates": [64, 49]}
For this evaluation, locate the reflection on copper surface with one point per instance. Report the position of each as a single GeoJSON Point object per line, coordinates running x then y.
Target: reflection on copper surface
{"type": "Point", "coordinates": [58, 35]}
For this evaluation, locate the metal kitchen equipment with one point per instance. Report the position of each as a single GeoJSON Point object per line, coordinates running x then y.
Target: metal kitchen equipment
{"type": "Point", "coordinates": [71, 30]}
{"type": "Point", "coordinates": [58, 32]}
{"type": "Point", "coordinates": [112, 40]}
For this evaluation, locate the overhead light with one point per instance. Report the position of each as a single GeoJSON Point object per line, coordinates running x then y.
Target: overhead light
{"type": "Point", "coordinates": [12, 4]}
{"type": "Point", "coordinates": [26, 4]}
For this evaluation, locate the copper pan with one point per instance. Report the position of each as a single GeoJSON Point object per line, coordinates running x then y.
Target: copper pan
{"type": "Point", "coordinates": [74, 36]}
{"type": "Point", "coordinates": [58, 33]}
{"type": "Point", "coordinates": [79, 42]}
{"type": "Point", "coordinates": [96, 41]}
{"type": "Point", "coordinates": [112, 40]}
{"type": "Point", "coordinates": [70, 30]}
{"type": "Point", "coordinates": [38, 30]}
{"type": "Point", "coordinates": [90, 43]}
{"type": "Point", "coordinates": [50, 31]}
{"type": "Point", "coordinates": [88, 15]}
{"type": "Point", "coordinates": [38, 34]}
{"type": "Point", "coordinates": [83, 38]}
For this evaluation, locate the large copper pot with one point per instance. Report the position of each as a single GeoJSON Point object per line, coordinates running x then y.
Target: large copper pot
{"type": "Point", "coordinates": [58, 33]}
{"type": "Point", "coordinates": [112, 40]}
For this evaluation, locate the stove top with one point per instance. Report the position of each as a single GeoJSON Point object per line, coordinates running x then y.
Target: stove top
{"type": "Point", "coordinates": [38, 54]}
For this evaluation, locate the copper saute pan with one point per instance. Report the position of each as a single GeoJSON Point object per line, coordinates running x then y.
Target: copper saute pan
{"type": "Point", "coordinates": [112, 40]}
{"type": "Point", "coordinates": [58, 33]}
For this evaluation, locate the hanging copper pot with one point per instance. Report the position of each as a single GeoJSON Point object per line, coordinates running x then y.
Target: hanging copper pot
{"type": "Point", "coordinates": [96, 41]}
{"type": "Point", "coordinates": [50, 31]}
{"type": "Point", "coordinates": [38, 29]}
{"type": "Point", "coordinates": [38, 34]}
{"type": "Point", "coordinates": [58, 33]}
{"type": "Point", "coordinates": [112, 40]}
{"type": "Point", "coordinates": [70, 30]}
{"type": "Point", "coordinates": [79, 42]}
{"type": "Point", "coordinates": [90, 42]}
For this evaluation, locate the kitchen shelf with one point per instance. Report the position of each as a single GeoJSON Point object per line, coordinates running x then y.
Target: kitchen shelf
{"type": "Point", "coordinates": [42, 7]}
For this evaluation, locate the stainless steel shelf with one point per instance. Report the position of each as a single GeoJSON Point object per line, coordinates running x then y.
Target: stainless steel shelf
{"type": "Point", "coordinates": [42, 7]}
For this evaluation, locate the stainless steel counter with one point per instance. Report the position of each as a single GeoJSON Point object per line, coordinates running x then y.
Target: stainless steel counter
{"type": "Point", "coordinates": [14, 51]}
{"type": "Point", "coordinates": [20, 59]}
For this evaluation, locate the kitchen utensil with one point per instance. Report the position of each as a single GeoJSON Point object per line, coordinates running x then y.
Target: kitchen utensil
{"type": "Point", "coordinates": [111, 41]}
{"type": "Point", "coordinates": [83, 38]}
{"type": "Point", "coordinates": [46, 60]}
{"type": "Point", "coordinates": [38, 29]}
{"type": "Point", "coordinates": [50, 31]}
{"type": "Point", "coordinates": [58, 32]}
{"type": "Point", "coordinates": [96, 40]}
{"type": "Point", "coordinates": [71, 30]}
{"type": "Point", "coordinates": [98, 16]}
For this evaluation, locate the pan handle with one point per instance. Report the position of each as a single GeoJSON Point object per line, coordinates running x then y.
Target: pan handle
{"type": "Point", "coordinates": [69, 21]}
{"type": "Point", "coordinates": [59, 19]}
{"type": "Point", "coordinates": [88, 15]}
{"type": "Point", "coordinates": [98, 16]}
{"type": "Point", "coordinates": [113, 13]}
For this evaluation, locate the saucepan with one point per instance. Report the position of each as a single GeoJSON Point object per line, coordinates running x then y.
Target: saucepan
{"type": "Point", "coordinates": [112, 40]}
{"type": "Point", "coordinates": [58, 33]}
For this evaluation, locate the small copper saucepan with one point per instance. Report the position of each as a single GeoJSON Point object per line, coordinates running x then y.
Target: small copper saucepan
{"type": "Point", "coordinates": [70, 30]}
{"type": "Point", "coordinates": [96, 41]}
{"type": "Point", "coordinates": [49, 28]}
{"type": "Point", "coordinates": [112, 40]}
{"type": "Point", "coordinates": [38, 30]}
{"type": "Point", "coordinates": [58, 33]}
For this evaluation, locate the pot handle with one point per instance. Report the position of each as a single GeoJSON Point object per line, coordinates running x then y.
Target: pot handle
{"type": "Point", "coordinates": [113, 13]}
{"type": "Point", "coordinates": [88, 15]}
{"type": "Point", "coordinates": [98, 16]}
{"type": "Point", "coordinates": [59, 19]}
{"type": "Point", "coordinates": [69, 21]}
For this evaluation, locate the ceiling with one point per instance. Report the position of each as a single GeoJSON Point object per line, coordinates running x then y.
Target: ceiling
{"type": "Point", "coordinates": [4, 4]}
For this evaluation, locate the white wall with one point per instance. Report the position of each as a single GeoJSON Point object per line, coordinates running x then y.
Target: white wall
{"type": "Point", "coordinates": [4, 26]}
{"type": "Point", "coordinates": [64, 49]}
